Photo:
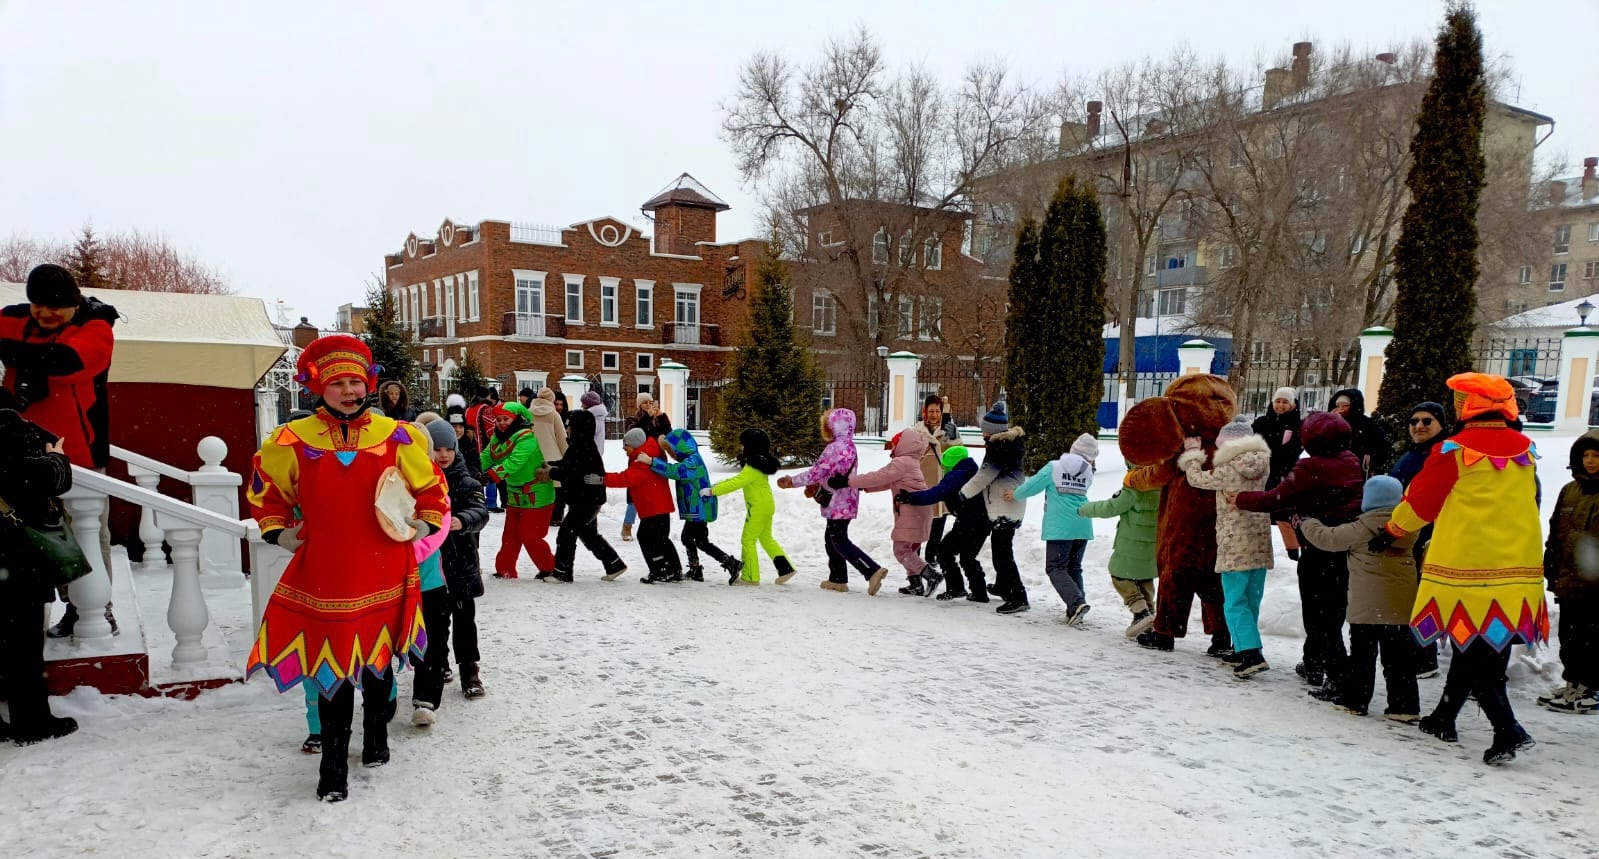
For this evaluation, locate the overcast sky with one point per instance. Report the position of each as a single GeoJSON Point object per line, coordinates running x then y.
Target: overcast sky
{"type": "Point", "coordinates": [292, 144]}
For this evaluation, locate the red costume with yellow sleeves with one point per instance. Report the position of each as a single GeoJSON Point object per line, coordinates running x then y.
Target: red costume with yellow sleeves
{"type": "Point", "coordinates": [1483, 574]}
{"type": "Point", "coordinates": [350, 598]}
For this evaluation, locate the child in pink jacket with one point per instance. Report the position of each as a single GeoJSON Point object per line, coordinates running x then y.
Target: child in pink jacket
{"type": "Point", "coordinates": [840, 503]}
{"type": "Point", "coordinates": [912, 524]}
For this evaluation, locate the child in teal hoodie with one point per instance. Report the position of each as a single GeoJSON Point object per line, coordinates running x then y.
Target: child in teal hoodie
{"type": "Point", "coordinates": [1065, 533]}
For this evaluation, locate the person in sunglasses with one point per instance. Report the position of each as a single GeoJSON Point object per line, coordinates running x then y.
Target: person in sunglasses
{"type": "Point", "coordinates": [1426, 429]}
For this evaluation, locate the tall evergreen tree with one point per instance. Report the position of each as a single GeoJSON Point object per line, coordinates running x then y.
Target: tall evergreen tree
{"type": "Point", "coordinates": [468, 377]}
{"type": "Point", "coordinates": [86, 261]}
{"type": "Point", "coordinates": [773, 383]}
{"type": "Point", "coordinates": [1435, 302]}
{"type": "Point", "coordinates": [389, 341]}
{"type": "Point", "coordinates": [1054, 338]}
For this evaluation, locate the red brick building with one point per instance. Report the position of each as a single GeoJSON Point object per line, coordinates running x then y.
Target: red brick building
{"type": "Point", "coordinates": [598, 298]}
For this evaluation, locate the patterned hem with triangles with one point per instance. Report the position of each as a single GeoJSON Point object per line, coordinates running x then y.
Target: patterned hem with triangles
{"type": "Point", "coordinates": [293, 666]}
{"type": "Point", "coordinates": [1527, 624]}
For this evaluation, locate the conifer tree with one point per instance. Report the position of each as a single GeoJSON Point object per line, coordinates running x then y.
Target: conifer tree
{"type": "Point", "coordinates": [389, 341]}
{"type": "Point", "coordinates": [1054, 344]}
{"type": "Point", "coordinates": [468, 377]}
{"type": "Point", "coordinates": [773, 383]}
{"type": "Point", "coordinates": [1435, 301]}
{"type": "Point", "coordinates": [85, 261]}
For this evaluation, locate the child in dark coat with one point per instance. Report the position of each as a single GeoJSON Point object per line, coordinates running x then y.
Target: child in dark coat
{"type": "Point", "coordinates": [582, 475]}
{"type": "Point", "coordinates": [1571, 566]}
{"type": "Point", "coordinates": [964, 540]}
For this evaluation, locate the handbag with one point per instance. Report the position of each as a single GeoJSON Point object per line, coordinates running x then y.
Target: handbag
{"type": "Point", "coordinates": [53, 547]}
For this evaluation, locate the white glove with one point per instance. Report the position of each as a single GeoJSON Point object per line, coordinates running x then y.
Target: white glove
{"type": "Point", "coordinates": [289, 538]}
{"type": "Point", "coordinates": [423, 529]}
{"type": "Point", "coordinates": [706, 492]}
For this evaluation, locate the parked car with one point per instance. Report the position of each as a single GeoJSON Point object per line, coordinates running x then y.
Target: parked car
{"type": "Point", "coordinates": [1545, 403]}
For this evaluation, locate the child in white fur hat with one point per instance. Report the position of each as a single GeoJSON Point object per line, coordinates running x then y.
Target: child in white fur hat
{"type": "Point", "coordinates": [1066, 534]}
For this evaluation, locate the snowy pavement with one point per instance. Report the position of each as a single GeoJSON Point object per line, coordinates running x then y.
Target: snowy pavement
{"type": "Point", "coordinates": [698, 719]}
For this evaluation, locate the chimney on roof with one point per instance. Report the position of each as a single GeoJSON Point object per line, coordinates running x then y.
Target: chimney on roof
{"type": "Point", "coordinates": [1073, 135]}
{"type": "Point", "coordinates": [1557, 192]}
{"type": "Point", "coordinates": [1388, 57]}
{"type": "Point", "coordinates": [1094, 109]}
{"type": "Point", "coordinates": [304, 333]}
{"type": "Point", "coordinates": [1277, 83]}
{"type": "Point", "coordinates": [1301, 66]}
{"type": "Point", "coordinates": [1590, 182]}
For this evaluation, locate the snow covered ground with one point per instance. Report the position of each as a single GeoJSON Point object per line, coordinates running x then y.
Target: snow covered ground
{"type": "Point", "coordinates": [698, 719]}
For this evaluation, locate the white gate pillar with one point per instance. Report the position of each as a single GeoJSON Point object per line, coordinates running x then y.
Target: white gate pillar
{"type": "Point", "coordinates": [1195, 357]}
{"type": "Point", "coordinates": [1579, 359]}
{"type": "Point", "coordinates": [216, 489]}
{"type": "Point", "coordinates": [1373, 360]}
{"type": "Point", "coordinates": [674, 391]}
{"type": "Point", "coordinates": [904, 407]}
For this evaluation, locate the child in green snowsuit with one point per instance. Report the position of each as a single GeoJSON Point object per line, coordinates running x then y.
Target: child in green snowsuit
{"type": "Point", "coordinates": [1132, 556]}
{"type": "Point", "coordinates": [755, 482]}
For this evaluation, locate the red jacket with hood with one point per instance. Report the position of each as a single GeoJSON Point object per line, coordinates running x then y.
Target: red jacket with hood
{"type": "Point", "coordinates": [73, 362]}
{"type": "Point", "coordinates": [651, 493]}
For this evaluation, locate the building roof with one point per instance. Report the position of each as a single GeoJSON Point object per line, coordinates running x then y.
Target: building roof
{"type": "Point", "coordinates": [1562, 315]}
{"type": "Point", "coordinates": [685, 190]}
{"type": "Point", "coordinates": [1574, 198]}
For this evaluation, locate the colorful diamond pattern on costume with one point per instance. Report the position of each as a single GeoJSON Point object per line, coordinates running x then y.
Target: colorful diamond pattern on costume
{"type": "Point", "coordinates": [345, 456]}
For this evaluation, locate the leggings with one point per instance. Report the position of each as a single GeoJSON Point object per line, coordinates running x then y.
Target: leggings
{"type": "Point", "coordinates": [841, 551]}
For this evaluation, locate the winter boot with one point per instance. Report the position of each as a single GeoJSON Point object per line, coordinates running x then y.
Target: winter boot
{"type": "Point", "coordinates": [1013, 606]}
{"type": "Point", "coordinates": [1506, 744]}
{"type": "Point", "coordinates": [375, 737]}
{"type": "Point", "coordinates": [913, 587]}
{"type": "Point", "coordinates": [611, 573]}
{"type": "Point", "coordinates": [931, 576]}
{"type": "Point", "coordinates": [1153, 640]}
{"type": "Point", "coordinates": [49, 728]}
{"type": "Point", "coordinates": [954, 588]}
{"type": "Point", "coordinates": [1311, 675]}
{"type": "Point", "coordinates": [1252, 662]}
{"type": "Point", "coordinates": [875, 583]}
{"type": "Point", "coordinates": [421, 716]}
{"type": "Point", "coordinates": [334, 783]}
{"type": "Point", "coordinates": [1439, 727]}
{"type": "Point", "coordinates": [978, 591]}
{"type": "Point", "coordinates": [1565, 699]}
{"type": "Point", "coordinates": [1221, 644]}
{"type": "Point", "coordinates": [656, 577]}
{"type": "Point", "coordinates": [564, 577]}
{"type": "Point", "coordinates": [543, 575]}
{"type": "Point", "coordinates": [1401, 718]}
{"type": "Point", "coordinates": [696, 573]}
{"type": "Point", "coordinates": [627, 533]}
{"type": "Point", "coordinates": [312, 744]}
{"type": "Point", "coordinates": [1142, 621]}
{"type": "Point", "coordinates": [786, 571]}
{"type": "Point", "coordinates": [840, 587]}
{"type": "Point", "coordinates": [63, 627]}
{"type": "Point", "coordinates": [449, 675]}
{"type": "Point", "coordinates": [471, 683]}
{"type": "Point", "coordinates": [1074, 616]}
{"type": "Point", "coordinates": [1235, 657]}
{"type": "Point", "coordinates": [734, 567]}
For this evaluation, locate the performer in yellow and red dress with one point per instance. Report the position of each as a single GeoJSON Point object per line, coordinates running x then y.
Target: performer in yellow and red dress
{"type": "Point", "coordinates": [1482, 578]}
{"type": "Point", "coordinates": [348, 604]}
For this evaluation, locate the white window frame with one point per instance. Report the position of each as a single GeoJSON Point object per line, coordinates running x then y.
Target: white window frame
{"type": "Point", "coordinates": [679, 290]}
{"type": "Point", "coordinates": [643, 297]}
{"type": "Point", "coordinates": [907, 253]}
{"type": "Point", "coordinates": [872, 320]}
{"type": "Point", "coordinates": [610, 360]}
{"type": "Point", "coordinates": [1562, 239]}
{"type": "Point", "coordinates": [930, 325]}
{"type": "Point", "coordinates": [571, 280]}
{"type": "Point", "coordinates": [824, 238]}
{"type": "Point", "coordinates": [880, 246]}
{"type": "Point", "coordinates": [1590, 269]}
{"type": "Point", "coordinates": [1227, 257]}
{"type": "Point", "coordinates": [1357, 245]}
{"type": "Point", "coordinates": [1180, 297]}
{"type": "Point", "coordinates": [438, 298]}
{"type": "Point", "coordinates": [579, 354]}
{"type": "Point", "coordinates": [644, 384]}
{"type": "Point", "coordinates": [1151, 265]}
{"type": "Point", "coordinates": [824, 313]}
{"type": "Point", "coordinates": [399, 306]}
{"type": "Point", "coordinates": [610, 291]}
{"type": "Point", "coordinates": [905, 327]}
{"type": "Point", "coordinates": [933, 254]}
{"type": "Point", "coordinates": [1524, 276]}
{"type": "Point", "coordinates": [517, 276]}
{"type": "Point", "coordinates": [644, 361]}
{"type": "Point", "coordinates": [1557, 277]}
{"type": "Point", "coordinates": [472, 294]}
{"type": "Point", "coordinates": [1593, 231]}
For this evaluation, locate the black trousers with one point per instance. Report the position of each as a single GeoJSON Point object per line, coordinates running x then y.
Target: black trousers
{"type": "Point", "coordinates": [1397, 646]}
{"type": "Point", "coordinates": [1324, 600]}
{"type": "Point", "coordinates": [1478, 671]}
{"type": "Point", "coordinates": [655, 541]}
{"type": "Point", "coordinates": [338, 713]}
{"type": "Point", "coordinates": [558, 513]}
{"type": "Point", "coordinates": [934, 538]}
{"type": "Point", "coordinates": [1579, 639]}
{"type": "Point", "coordinates": [957, 552]}
{"type": "Point", "coordinates": [22, 659]}
{"type": "Point", "coordinates": [439, 609]}
{"type": "Point", "coordinates": [581, 524]}
{"type": "Point", "coordinates": [842, 553]}
{"type": "Point", "coordinates": [1007, 577]}
{"type": "Point", "coordinates": [697, 538]}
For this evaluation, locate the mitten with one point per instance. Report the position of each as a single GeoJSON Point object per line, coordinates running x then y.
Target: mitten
{"type": "Point", "coordinates": [838, 481]}
{"type": "Point", "coordinates": [1381, 543]}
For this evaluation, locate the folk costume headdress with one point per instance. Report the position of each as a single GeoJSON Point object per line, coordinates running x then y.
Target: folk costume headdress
{"type": "Point", "coordinates": [336, 356]}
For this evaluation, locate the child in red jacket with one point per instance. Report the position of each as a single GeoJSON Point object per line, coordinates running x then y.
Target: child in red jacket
{"type": "Point", "coordinates": [652, 497]}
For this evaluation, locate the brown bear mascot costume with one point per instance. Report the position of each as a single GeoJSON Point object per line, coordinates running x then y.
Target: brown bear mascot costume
{"type": "Point", "coordinates": [1185, 531]}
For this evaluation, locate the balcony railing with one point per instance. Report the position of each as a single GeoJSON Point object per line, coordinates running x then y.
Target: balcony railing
{"type": "Point", "coordinates": [536, 234]}
{"type": "Point", "coordinates": [533, 326]}
{"type": "Point", "coordinates": [682, 334]}
{"type": "Point", "coordinates": [433, 326]}
{"type": "Point", "coordinates": [1193, 275]}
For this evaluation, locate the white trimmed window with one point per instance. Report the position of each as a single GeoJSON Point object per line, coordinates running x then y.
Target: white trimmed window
{"type": "Point", "coordinates": [933, 255]}
{"type": "Point", "coordinates": [1593, 232]}
{"type": "Point", "coordinates": [871, 315]}
{"type": "Point", "coordinates": [609, 289]}
{"type": "Point", "coordinates": [824, 314]}
{"type": "Point", "coordinates": [1557, 277]}
{"type": "Point", "coordinates": [471, 290]}
{"type": "Point", "coordinates": [824, 238]}
{"type": "Point", "coordinates": [880, 247]}
{"type": "Point", "coordinates": [438, 298]}
{"type": "Point", "coordinates": [905, 256]}
{"type": "Point", "coordinates": [687, 310]}
{"type": "Point", "coordinates": [1524, 276]}
{"type": "Point", "coordinates": [645, 384]}
{"type": "Point", "coordinates": [1151, 265]}
{"type": "Point", "coordinates": [399, 306]}
{"type": "Point", "coordinates": [1590, 269]}
{"type": "Point", "coordinates": [644, 303]}
{"type": "Point", "coordinates": [610, 361]}
{"type": "Point", "coordinates": [907, 317]}
{"type": "Point", "coordinates": [574, 359]}
{"type": "Point", "coordinates": [1173, 302]}
{"type": "Point", "coordinates": [1563, 239]}
{"type": "Point", "coordinates": [574, 299]}
{"type": "Point", "coordinates": [449, 297]}
{"type": "Point", "coordinates": [932, 317]}
{"type": "Point", "coordinates": [645, 362]}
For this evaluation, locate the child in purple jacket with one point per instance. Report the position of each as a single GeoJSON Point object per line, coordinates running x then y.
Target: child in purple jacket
{"type": "Point", "coordinates": [839, 505]}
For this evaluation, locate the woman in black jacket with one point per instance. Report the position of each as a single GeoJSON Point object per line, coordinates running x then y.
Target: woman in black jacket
{"type": "Point", "coordinates": [1279, 426]}
{"type": "Point", "coordinates": [1368, 442]}
{"type": "Point", "coordinates": [34, 472]}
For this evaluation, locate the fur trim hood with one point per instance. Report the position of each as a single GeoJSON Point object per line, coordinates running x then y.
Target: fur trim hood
{"type": "Point", "coordinates": [1237, 447]}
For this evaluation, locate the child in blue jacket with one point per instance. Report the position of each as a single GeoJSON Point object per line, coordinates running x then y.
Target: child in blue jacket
{"type": "Point", "coordinates": [1065, 533]}
{"type": "Point", "coordinates": [964, 540]}
{"type": "Point", "coordinates": [696, 510]}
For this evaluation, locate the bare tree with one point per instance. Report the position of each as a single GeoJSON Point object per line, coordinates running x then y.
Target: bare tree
{"type": "Point", "coordinates": [19, 254]}
{"type": "Point", "coordinates": [133, 260]}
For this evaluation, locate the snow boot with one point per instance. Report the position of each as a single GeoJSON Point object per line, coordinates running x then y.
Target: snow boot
{"type": "Point", "coordinates": [1153, 640]}
{"type": "Point", "coordinates": [422, 716]}
{"type": "Point", "coordinates": [333, 785]}
{"type": "Point", "coordinates": [63, 627]}
{"type": "Point", "coordinates": [611, 573]}
{"type": "Point", "coordinates": [931, 576]}
{"type": "Point", "coordinates": [734, 567]}
{"type": "Point", "coordinates": [449, 676]}
{"type": "Point", "coordinates": [49, 728]}
{"type": "Point", "coordinates": [1325, 692]}
{"type": "Point", "coordinates": [696, 573]}
{"type": "Point", "coordinates": [656, 577]}
{"type": "Point", "coordinates": [1142, 621]}
{"type": "Point", "coordinates": [1013, 606]}
{"type": "Point", "coordinates": [1401, 718]}
{"type": "Point", "coordinates": [562, 577]}
{"type": "Point", "coordinates": [1311, 676]}
{"type": "Point", "coordinates": [1506, 744]}
{"type": "Point", "coordinates": [1439, 727]}
{"type": "Point", "coordinates": [1234, 658]}
{"type": "Point", "coordinates": [627, 533]}
{"type": "Point", "coordinates": [471, 683]}
{"type": "Point", "coordinates": [1221, 644]}
{"type": "Point", "coordinates": [913, 587]}
{"type": "Point", "coordinates": [312, 744]}
{"type": "Point", "coordinates": [978, 596]}
{"type": "Point", "coordinates": [543, 575]}
{"type": "Point", "coordinates": [873, 584]}
{"type": "Point", "coordinates": [1252, 662]}
{"type": "Point", "coordinates": [786, 571]}
{"type": "Point", "coordinates": [1569, 698]}
{"type": "Point", "coordinates": [1074, 616]}
{"type": "Point", "coordinates": [375, 737]}
{"type": "Point", "coordinates": [840, 587]}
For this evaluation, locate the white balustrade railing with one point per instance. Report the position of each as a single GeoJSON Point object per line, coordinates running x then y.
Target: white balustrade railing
{"type": "Point", "coordinates": [211, 487]}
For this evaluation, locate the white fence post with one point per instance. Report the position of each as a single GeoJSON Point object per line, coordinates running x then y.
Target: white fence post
{"type": "Point", "coordinates": [90, 593]}
{"type": "Point", "coordinates": [904, 407]}
{"type": "Point", "coordinates": [1579, 360]}
{"type": "Point", "coordinates": [1195, 356]}
{"type": "Point", "coordinates": [1373, 360]}
{"type": "Point", "coordinates": [574, 387]}
{"type": "Point", "coordinates": [674, 391]}
{"type": "Point", "coordinates": [216, 489]}
{"type": "Point", "coordinates": [186, 611]}
{"type": "Point", "coordinates": [154, 557]}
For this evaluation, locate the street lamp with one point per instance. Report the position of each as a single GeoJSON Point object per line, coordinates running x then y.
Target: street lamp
{"type": "Point", "coordinates": [1583, 309]}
